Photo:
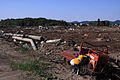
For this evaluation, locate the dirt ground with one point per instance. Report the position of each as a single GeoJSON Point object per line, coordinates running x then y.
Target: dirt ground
{"type": "Point", "coordinates": [109, 36]}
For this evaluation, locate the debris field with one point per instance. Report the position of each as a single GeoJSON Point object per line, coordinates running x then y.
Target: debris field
{"type": "Point", "coordinates": [48, 48]}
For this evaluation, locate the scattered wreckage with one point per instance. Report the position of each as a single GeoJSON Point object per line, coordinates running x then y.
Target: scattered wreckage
{"type": "Point", "coordinates": [32, 39]}
{"type": "Point", "coordinates": [98, 63]}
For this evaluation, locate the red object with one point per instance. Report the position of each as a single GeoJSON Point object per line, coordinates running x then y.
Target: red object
{"type": "Point", "coordinates": [98, 59]}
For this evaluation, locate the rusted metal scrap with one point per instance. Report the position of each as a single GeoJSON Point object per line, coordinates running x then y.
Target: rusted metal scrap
{"type": "Point", "coordinates": [99, 63]}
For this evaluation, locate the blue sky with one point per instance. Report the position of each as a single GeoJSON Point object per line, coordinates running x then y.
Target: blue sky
{"type": "Point", "coordinates": [68, 10]}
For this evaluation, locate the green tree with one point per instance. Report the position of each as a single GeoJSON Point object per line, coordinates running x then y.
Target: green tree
{"type": "Point", "coordinates": [98, 22]}
{"type": "Point", "coordinates": [29, 22]}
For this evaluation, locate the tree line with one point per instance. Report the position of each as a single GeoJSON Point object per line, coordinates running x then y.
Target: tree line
{"type": "Point", "coordinates": [100, 23]}
{"type": "Point", "coordinates": [31, 22]}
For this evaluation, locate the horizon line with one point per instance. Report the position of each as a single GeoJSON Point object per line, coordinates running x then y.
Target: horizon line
{"type": "Point", "coordinates": [60, 19]}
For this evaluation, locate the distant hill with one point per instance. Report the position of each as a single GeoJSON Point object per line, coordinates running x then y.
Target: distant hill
{"type": "Point", "coordinates": [79, 22]}
{"type": "Point", "coordinates": [84, 22]}
{"type": "Point", "coordinates": [115, 22]}
{"type": "Point", "coordinates": [75, 22]}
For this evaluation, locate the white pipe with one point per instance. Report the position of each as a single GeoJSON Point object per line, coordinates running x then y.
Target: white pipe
{"type": "Point", "coordinates": [51, 41]}
{"type": "Point", "coordinates": [27, 40]}
{"type": "Point", "coordinates": [21, 35]}
{"type": "Point", "coordinates": [34, 37]}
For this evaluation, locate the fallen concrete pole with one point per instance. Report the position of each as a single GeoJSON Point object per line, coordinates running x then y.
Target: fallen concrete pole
{"type": "Point", "coordinates": [35, 37]}
{"type": "Point", "coordinates": [27, 40]}
{"type": "Point", "coordinates": [52, 41]}
{"type": "Point", "coordinates": [21, 35]}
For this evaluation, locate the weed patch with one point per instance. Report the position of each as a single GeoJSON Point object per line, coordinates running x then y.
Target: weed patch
{"type": "Point", "coordinates": [23, 49]}
{"type": "Point", "coordinates": [36, 67]}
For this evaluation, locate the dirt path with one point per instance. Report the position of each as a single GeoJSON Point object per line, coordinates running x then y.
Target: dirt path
{"type": "Point", "coordinates": [7, 53]}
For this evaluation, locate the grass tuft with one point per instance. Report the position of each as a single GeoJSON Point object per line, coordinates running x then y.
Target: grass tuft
{"type": "Point", "coordinates": [23, 49]}
{"type": "Point", "coordinates": [36, 67]}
